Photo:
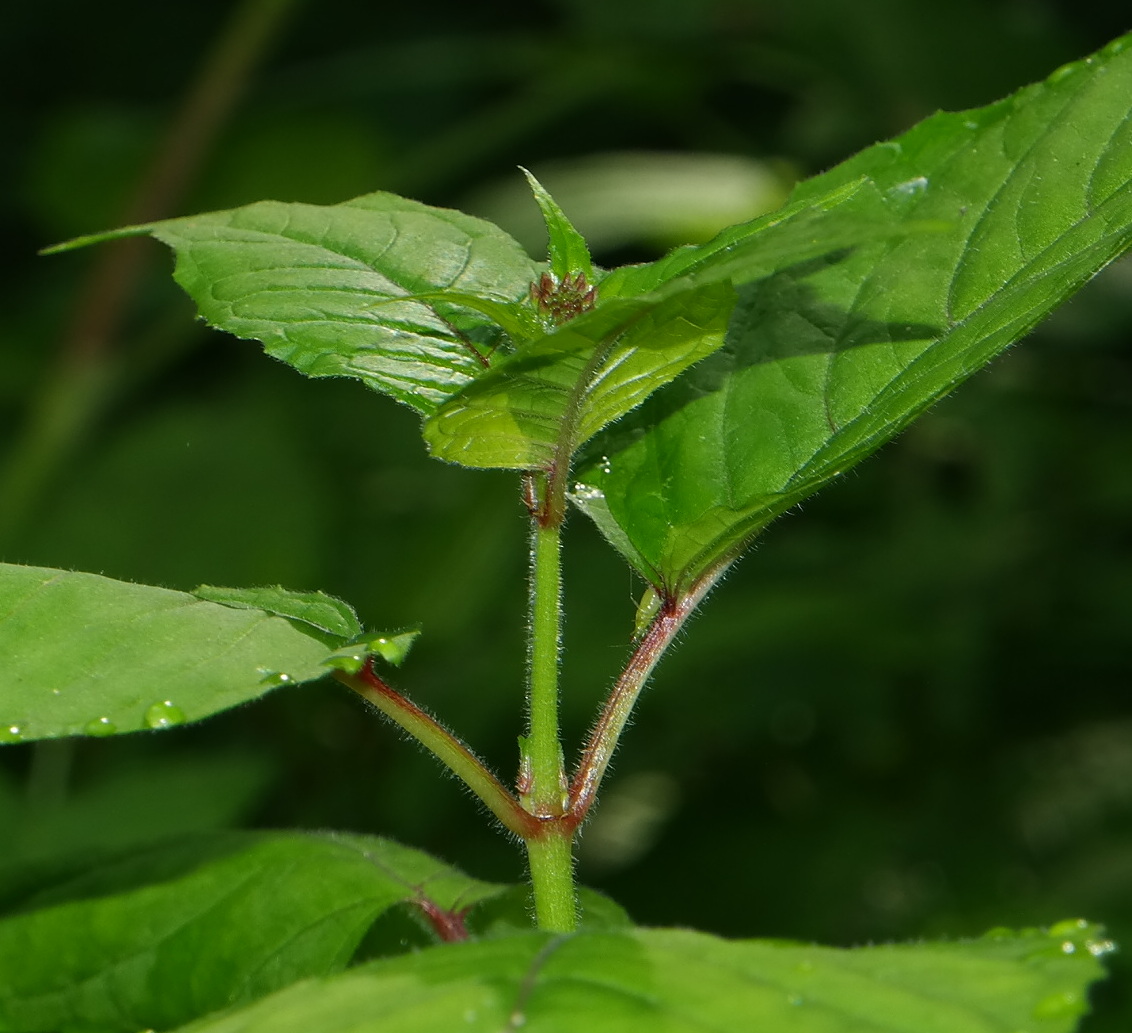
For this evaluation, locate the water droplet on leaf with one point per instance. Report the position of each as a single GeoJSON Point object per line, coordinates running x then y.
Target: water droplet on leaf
{"type": "Point", "coordinates": [164, 715]}
{"type": "Point", "coordinates": [274, 678]}
{"type": "Point", "coordinates": [11, 733]}
{"type": "Point", "coordinates": [587, 493]}
{"type": "Point", "coordinates": [100, 726]}
{"type": "Point", "coordinates": [1099, 948]}
{"type": "Point", "coordinates": [912, 186]}
{"type": "Point", "coordinates": [392, 648]}
{"type": "Point", "coordinates": [351, 663]}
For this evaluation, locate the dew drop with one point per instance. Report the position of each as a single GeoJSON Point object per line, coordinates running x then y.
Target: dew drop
{"type": "Point", "coordinates": [587, 493]}
{"type": "Point", "coordinates": [1099, 948]}
{"type": "Point", "coordinates": [912, 186]}
{"type": "Point", "coordinates": [351, 663]}
{"type": "Point", "coordinates": [163, 715]}
{"type": "Point", "coordinates": [11, 733]}
{"type": "Point", "coordinates": [1068, 947]}
{"type": "Point", "coordinates": [100, 726]}
{"type": "Point", "coordinates": [605, 465]}
{"type": "Point", "coordinates": [1063, 73]}
{"type": "Point", "coordinates": [274, 678]}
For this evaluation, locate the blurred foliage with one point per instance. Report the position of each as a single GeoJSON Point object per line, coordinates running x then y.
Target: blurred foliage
{"type": "Point", "coordinates": [904, 714]}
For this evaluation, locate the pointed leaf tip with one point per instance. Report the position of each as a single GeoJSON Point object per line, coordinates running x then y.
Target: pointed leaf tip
{"type": "Point", "coordinates": [568, 252]}
{"type": "Point", "coordinates": [948, 244]}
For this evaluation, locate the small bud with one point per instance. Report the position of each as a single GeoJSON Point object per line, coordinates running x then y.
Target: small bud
{"type": "Point", "coordinates": [562, 300]}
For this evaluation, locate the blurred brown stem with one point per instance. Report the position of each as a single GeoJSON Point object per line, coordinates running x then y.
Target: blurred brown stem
{"type": "Point", "coordinates": [85, 374]}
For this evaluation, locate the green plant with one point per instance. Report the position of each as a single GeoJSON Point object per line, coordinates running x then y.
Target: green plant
{"type": "Point", "coordinates": [681, 405]}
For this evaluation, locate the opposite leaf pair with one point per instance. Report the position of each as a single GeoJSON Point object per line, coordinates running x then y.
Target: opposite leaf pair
{"type": "Point", "coordinates": [816, 333]}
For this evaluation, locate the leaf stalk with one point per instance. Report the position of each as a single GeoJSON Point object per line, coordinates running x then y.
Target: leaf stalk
{"type": "Point", "coordinates": [606, 733]}
{"type": "Point", "coordinates": [456, 755]}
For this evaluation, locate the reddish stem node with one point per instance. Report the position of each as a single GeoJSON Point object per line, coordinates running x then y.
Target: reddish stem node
{"type": "Point", "coordinates": [448, 925]}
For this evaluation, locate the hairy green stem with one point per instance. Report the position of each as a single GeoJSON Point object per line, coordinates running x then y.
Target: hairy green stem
{"type": "Point", "coordinates": [448, 749]}
{"type": "Point", "coordinates": [551, 859]}
{"type": "Point", "coordinates": [543, 775]}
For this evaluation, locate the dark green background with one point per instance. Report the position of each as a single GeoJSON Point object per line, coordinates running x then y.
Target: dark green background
{"type": "Point", "coordinates": [905, 714]}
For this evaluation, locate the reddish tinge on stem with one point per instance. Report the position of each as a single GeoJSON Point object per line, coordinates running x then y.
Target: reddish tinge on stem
{"type": "Point", "coordinates": [463, 762]}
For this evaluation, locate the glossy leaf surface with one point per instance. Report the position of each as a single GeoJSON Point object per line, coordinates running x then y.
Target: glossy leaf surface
{"type": "Point", "coordinates": [317, 609]}
{"type": "Point", "coordinates": [830, 358]}
{"type": "Point", "coordinates": [314, 284]}
{"type": "Point", "coordinates": [535, 408]}
{"type": "Point", "coordinates": [174, 932]}
{"type": "Point", "coordinates": [644, 980]}
{"type": "Point", "coordinates": [560, 390]}
{"type": "Point", "coordinates": [87, 655]}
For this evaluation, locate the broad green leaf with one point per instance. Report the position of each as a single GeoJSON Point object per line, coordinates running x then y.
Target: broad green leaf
{"type": "Point", "coordinates": [650, 324]}
{"type": "Point", "coordinates": [175, 932]}
{"type": "Point", "coordinates": [86, 655]}
{"type": "Point", "coordinates": [827, 359]}
{"type": "Point", "coordinates": [317, 609]}
{"type": "Point", "coordinates": [318, 286]}
{"type": "Point", "coordinates": [558, 391]}
{"type": "Point", "coordinates": [642, 981]}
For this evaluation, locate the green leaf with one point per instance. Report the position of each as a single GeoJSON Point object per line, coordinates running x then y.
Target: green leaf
{"type": "Point", "coordinates": [569, 254]}
{"type": "Point", "coordinates": [318, 285]}
{"type": "Point", "coordinates": [175, 932]}
{"type": "Point", "coordinates": [650, 324]}
{"type": "Point", "coordinates": [641, 981]}
{"type": "Point", "coordinates": [84, 654]}
{"type": "Point", "coordinates": [392, 647]}
{"type": "Point", "coordinates": [317, 609]}
{"type": "Point", "coordinates": [829, 358]}
{"type": "Point", "coordinates": [558, 391]}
